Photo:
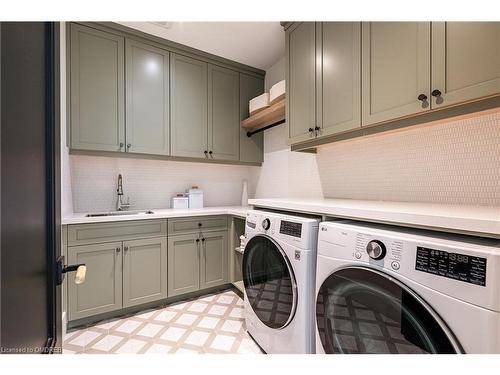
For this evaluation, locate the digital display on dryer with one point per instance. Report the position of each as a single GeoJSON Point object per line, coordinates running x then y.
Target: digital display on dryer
{"type": "Point", "coordinates": [455, 266]}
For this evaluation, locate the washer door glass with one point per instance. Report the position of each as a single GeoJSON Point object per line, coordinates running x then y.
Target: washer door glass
{"type": "Point", "coordinates": [269, 282]}
{"type": "Point", "coordinates": [359, 310]}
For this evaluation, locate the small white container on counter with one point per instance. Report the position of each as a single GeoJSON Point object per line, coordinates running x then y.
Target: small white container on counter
{"type": "Point", "coordinates": [195, 197]}
{"type": "Point", "coordinates": [180, 202]}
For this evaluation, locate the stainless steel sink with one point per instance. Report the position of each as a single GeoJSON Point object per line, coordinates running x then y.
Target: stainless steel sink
{"type": "Point", "coordinates": [120, 213]}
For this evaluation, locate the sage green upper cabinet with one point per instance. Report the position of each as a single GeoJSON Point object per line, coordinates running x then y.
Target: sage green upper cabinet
{"type": "Point", "coordinates": [97, 90]}
{"type": "Point", "coordinates": [395, 70]}
{"type": "Point", "coordinates": [102, 290]}
{"type": "Point", "coordinates": [340, 103]}
{"type": "Point", "coordinates": [301, 81]}
{"type": "Point", "coordinates": [251, 148]}
{"type": "Point", "coordinates": [147, 95]}
{"type": "Point", "coordinates": [213, 265]}
{"type": "Point", "coordinates": [183, 264]}
{"type": "Point", "coordinates": [223, 113]}
{"type": "Point", "coordinates": [188, 106]}
{"type": "Point", "coordinates": [465, 61]}
{"type": "Point", "coordinates": [144, 271]}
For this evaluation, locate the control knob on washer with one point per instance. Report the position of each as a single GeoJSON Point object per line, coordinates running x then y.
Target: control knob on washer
{"type": "Point", "coordinates": [266, 224]}
{"type": "Point", "coordinates": [376, 249]}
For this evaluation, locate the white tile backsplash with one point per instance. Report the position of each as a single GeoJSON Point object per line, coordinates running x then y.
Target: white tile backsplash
{"type": "Point", "coordinates": [454, 161]}
{"type": "Point", "coordinates": [151, 183]}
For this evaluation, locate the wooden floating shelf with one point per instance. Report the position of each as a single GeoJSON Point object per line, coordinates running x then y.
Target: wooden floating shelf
{"type": "Point", "coordinates": [265, 119]}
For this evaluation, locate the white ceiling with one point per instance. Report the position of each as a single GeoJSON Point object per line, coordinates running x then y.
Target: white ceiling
{"type": "Point", "coordinates": [258, 44]}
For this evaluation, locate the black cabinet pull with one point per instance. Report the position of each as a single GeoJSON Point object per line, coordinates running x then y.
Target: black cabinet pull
{"type": "Point", "coordinates": [317, 128]}
{"type": "Point", "coordinates": [311, 130]}
{"type": "Point", "coordinates": [436, 93]}
{"type": "Point", "coordinates": [203, 239]}
{"type": "Point", "coordinates": [199, 224]}
{"type": "Point", "coordinates": [197, 240]}
{"type": "Point", "coordinates": [210, 152]}
{"type": "Point", "coordinates": [206, 153]}
{"type": "Point", "coordinates": [422, 97]}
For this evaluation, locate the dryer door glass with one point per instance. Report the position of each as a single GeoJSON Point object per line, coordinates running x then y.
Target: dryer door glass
{"type": "Point", "coordinates": [360, 310]}
{"type": "Point", "coordinates": [269, 282]}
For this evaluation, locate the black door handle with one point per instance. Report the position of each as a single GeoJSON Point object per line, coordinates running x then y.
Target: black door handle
{"type": "Point", "coordinates": [422, 97]}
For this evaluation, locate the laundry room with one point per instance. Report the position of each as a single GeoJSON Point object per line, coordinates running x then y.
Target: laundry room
{"type": "Point", "coordinates": [299, 184]}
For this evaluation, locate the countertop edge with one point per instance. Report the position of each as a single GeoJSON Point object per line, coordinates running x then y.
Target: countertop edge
{"type": "Point", "coordinates": [159, 214]}
{"type": "Point", "coordinates": [436, 221]}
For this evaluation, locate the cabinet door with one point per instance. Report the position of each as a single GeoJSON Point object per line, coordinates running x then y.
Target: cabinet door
{"type": "Point", "coordinates": [395, 70]}
{"type": "Point", "coordinates": [223, 113]}
{"type": "Point", "coordinates": [97, 90]}
{"type": "Point", "coordinates": [147, 93]}
{"type": "Point", "coordinates": [301, 81]}
{"type": "Point", "coordinates": [183, 264]}
{"type": "Point", "coordinates": [144, 271]}
{"type": "Point", "coordinates": [188, 106]}
{"type": "Point", "coordinates": [102, 290]}
{"type": "Point", "coordinates": [465, 61]}
{"type": "Point", "coordinates": [340, 76]}
{"type": "Point", "coordinates": [213, 265]}
{"type": "Point", "coordinates": [251, 148]}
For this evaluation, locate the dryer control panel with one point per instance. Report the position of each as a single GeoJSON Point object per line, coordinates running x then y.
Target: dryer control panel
{"type": "Point", "coordinates": [470, 269]}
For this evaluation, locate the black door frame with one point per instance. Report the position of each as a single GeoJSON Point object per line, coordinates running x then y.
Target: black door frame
{"type": "Point", "coordinates": [53, 178]}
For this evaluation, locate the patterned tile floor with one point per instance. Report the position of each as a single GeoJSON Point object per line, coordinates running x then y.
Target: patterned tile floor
{"type": "Point", "coordinates": [210, 324]}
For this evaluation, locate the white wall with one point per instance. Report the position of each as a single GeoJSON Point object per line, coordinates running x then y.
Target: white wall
{"type": "Point", "coordinates": [455, 161]}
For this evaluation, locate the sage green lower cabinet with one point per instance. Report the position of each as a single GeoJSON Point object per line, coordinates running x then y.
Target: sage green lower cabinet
{"type": "Point", "coordinates": [213, 264]}
{"type": "Point", "coordinates": [102, 290]}
{"type": "Point", "coordinates": [144, 271]}
{"type": "Point", "coordinates": [183, 264]}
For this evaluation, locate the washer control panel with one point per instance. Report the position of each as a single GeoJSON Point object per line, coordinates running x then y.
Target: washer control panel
{"type": "Point", "coordinates": [290, 228]}
{"type": "Point", "coordinates": [470, 269]}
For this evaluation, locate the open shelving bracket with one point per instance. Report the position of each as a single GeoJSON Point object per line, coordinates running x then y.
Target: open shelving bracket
{"type": "Point", "coordinates": [249, 134]}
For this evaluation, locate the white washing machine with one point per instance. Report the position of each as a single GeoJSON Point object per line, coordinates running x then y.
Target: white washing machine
{"type": "Point", "coordinates": [382, 289]}
{"type": "Point", "coordinates": [279, 264]}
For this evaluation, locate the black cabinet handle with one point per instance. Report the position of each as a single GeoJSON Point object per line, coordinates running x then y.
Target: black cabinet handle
{"type": "Point", "coordinates": [422, 97]}
{"type": "Point", "coordinates": [311, 130]}
{"type": "Point", "coordinates": [436, 93]}
{"type": "Point", "coordinates": [206, 153]}
{"type": "Point", "coordinates": [210, 152]}
{"type": "Point", "coordinates": [203, 239]}
{"type": "Point", "coordinates": [317, 128]}
{"type": "Point", "coordinates": [197, 240]}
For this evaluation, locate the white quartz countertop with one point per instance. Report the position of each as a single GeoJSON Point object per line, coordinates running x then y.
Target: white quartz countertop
{"type": "Point", "coordinates": [164, 213]}
{"type": "Point", "coordinates": [476, 220]}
